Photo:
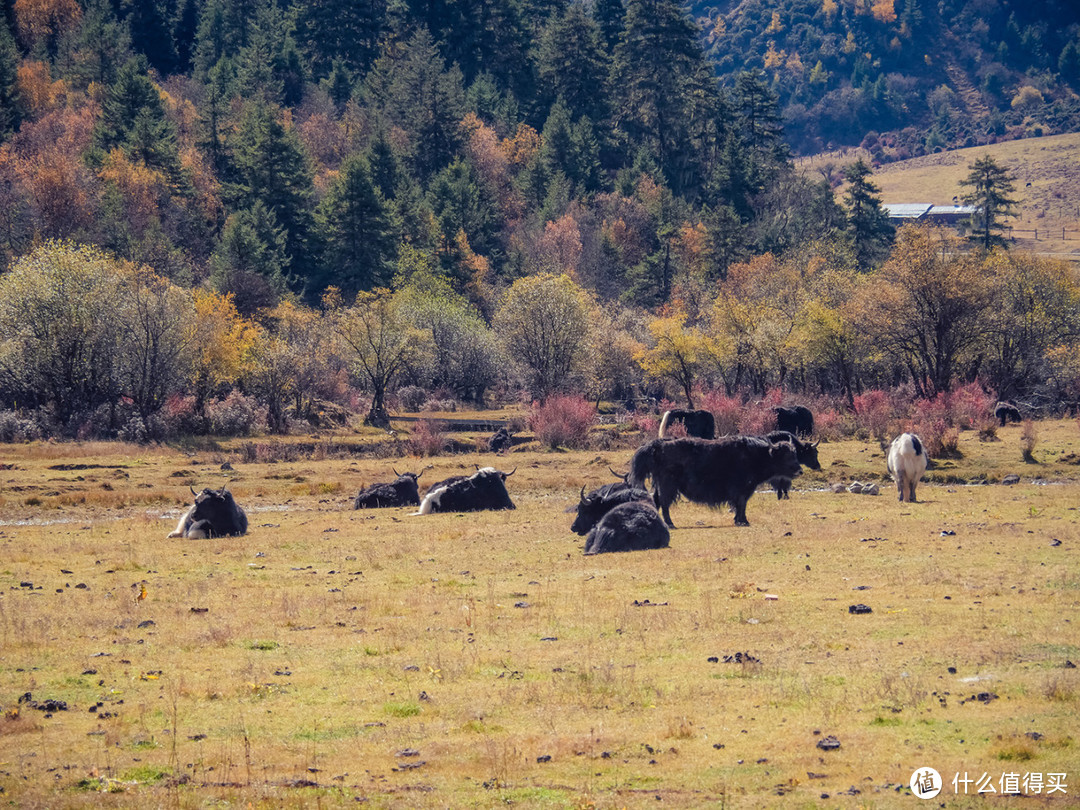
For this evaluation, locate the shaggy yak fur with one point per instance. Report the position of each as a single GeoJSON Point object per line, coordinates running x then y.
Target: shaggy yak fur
{"type": "Point", "coordinates": [697, 423]}
{"type": "Point", "coordinates": [806, 452]}
{"type": "Point", "coordinates": [798, 420]}
{"type": "Point", "coordinates": [906, 464]}
{"type": "Point", "coordinates": [599, 502]}
{"type": "Point", "coordinates": [632, 526]}
{"type": "Point", "coordinates": [214, 514]}
{"type": "Point", "coordinates": [402, 491]}
{"type": "Point", "coordinates": [725, 471]}
{"type": "Point", "coordinates": [484, 489]}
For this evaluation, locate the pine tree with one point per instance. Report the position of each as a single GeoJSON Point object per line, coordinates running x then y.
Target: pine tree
{"type": "Point", "coordinates": [610, 16]}
{"type": "Point", "coordinates": [272, 167]}
{"type": "Point", "coordinates": [571, 64]}
{"type": "Point", "coordinates": [250, 261]}
{"type": "Point", "coordinates": [151, 33]}
{"type": "Point", "coordinates": [653, 75]}
{"type": "Point", "coordinates": [415, 92]}
{"type": "Point", "coordinates": [102, 47]}
{"type": "Point", "coordinates": [868, 223]}
{"type": "Point", "coordinates": [9, 94]}
{"type": "Point", "coordinates": [354, 232]}
{"type": "Point", "coordinates": [990, 186]}
{"type": "Point", "coordinates": [760, 128]}
{"type": "Point", "coordinates": [341, 31]}
{"type": "Point", "coordinates": [133, 119]}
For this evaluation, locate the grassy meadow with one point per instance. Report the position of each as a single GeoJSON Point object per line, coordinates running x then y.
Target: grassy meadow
{"type": "Point", "coordinates": [1044, 170]}
{"type": "Point", "coordinates": [332, 657]}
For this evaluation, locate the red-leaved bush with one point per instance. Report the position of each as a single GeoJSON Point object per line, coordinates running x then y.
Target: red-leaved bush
{"type": "Point", "coordinates": [428, 438]}
{"type": "Point", "coordinates": [873, 413]}
{"type": "Point", "coordinates": [562, 421]}
{"type": "Point", "coordinates": [236, 415]}
{"type": "Point", "coordinates": [969, 406]}
{"type": "Point", "coordinates": [727, 411]}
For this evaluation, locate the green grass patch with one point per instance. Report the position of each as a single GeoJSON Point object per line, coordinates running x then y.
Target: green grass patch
{"type": "Point", "coordinates": [401, 709]}
{"type": "Point", "coordinates": [265, 646]}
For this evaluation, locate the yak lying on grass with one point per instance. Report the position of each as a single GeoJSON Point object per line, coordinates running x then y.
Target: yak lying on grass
{"type": "Point", "coordinates": [214, 514]}
{"type": "Point", "coordinates": [618, 517]}
{"type": "Point", "coordinates": [402, 491]}
{"type": "Point", "coordinates": [484, 489]}
{"type": "Point", "coordinates": [806, 452]}
{"type": "Point", "coordinates": [726, 471]}
{"type": "Point", "coordinates": [633, 526]}
{"type": "Point", "coordinates": [594, 505]}
{"type": "Point", "coordinates": [906, 464]}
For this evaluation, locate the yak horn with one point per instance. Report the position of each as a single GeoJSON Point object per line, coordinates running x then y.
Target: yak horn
{"type": "Point", "coordinates": [582, 496]}
{"type": "Point", "coordinates": [618, 475]}
{"type": "Point", "coordinates": [396, 472]}
{"type": "Point", "coordinates": [507, 475]}
{"type": "Point", "coordinates": [193, 492]}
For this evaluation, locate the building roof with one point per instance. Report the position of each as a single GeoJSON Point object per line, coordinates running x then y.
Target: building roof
{"type": "Point", "coordinates": [953, 210]}
{"type": "Point", "coordinates": [906, 210]}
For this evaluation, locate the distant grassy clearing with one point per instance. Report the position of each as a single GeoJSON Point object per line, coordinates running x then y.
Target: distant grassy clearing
{"type": "Point", "coordinates": [333, 655]}
{"type": "Point", "coordinates": [1045, 171]}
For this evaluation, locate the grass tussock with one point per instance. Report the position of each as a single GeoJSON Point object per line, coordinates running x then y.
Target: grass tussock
{"type": "Point", "coordinates": [478, 660]}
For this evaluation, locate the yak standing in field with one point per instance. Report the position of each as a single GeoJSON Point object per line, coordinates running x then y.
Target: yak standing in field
{"type": "Point", "coordinates": [402, 491]}
{"type": "Point", "coordinates": [484, 489]}
{"type": "Point", "coordinates": [798, 420]}
{"type": "Point", "coordinates": [725, 471]}
{"type": "Point", "coordinates": [1007, 412]}
{"type": "Point", "coordinates": [618, 517]}
{"type": "Point", "coordinates": [806, 452]}
{"type": "Point", "coordinates": [699, 424]}
{"type": "Point", "coordinates": [214, 514]}
{"type": "Point", "coordinates": [906, 464]}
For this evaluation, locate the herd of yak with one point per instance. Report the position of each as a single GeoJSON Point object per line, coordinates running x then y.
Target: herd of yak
{"type": "Point", "coordinates": [621, 516]}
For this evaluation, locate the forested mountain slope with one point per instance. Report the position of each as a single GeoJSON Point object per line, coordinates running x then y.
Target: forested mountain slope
{"type": "Point", "coordinates": [908, 76]}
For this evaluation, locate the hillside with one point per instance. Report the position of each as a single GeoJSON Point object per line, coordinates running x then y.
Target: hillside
{"type": "Point", "coordinates": [1045, 170]}
{"type": "Point", "coordinates": [908, 77]}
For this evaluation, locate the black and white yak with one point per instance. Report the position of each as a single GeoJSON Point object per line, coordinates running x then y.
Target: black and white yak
{"type": "Point", "coordinates": [214, 514]}
{"type": "Point", "coordinates": [485, 489]}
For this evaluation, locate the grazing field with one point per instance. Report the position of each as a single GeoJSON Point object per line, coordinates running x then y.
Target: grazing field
{"type": "Point", "coordinates": [331, 657]}
{"type": "Point", "coordinates": [1044, 170]}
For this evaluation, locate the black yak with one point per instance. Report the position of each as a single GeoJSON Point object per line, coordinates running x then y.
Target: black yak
{"type": "Point", "coordinates": [1006, 412]}
{"type": "Point", "coordinates": [906, 464]}
{"type": "Point", "coordinates": [632, 526]}
{"type": "Point", "coordinates": [484, 489]}
{"type": "Point", "coordinates": [697, 423]}
{"type": "Point", "coordinates": [500, 440]}
{"type": "Point", "coordinates": [806, 452]}
{"type": "Point", "coordinates": [798, 420]}
{"type": "Point", "coordinates": [214, 514]}
{"type": "Point", "coordinates": [594, 505]}
{"type": "Point", "coordinates": [726, 471]}
{"type": "Point", "coordinates": [402, 491]}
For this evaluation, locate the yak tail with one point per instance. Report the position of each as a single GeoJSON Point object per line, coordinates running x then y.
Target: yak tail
{"type": "Point", "coordinates": [916, 444]}
{"type": "Point", "coordinates": [642, 464]}
{"type": "Point", "coordinates": [663, 424]}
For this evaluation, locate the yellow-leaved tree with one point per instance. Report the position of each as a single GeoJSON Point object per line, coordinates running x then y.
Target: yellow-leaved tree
{"type": "Point", "coordinates": [679, 353]}
{"type": "Point", "coordinates": [222, 341]}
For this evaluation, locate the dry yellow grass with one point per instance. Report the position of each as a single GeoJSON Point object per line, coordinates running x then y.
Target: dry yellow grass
{"type": "Point", "coordinates": [331, 656]}
{"type": "Point", "coordinates": [1045, 170]}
